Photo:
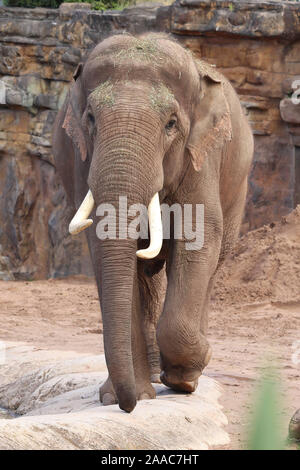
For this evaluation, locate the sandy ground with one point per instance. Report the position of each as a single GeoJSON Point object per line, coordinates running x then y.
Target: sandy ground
{"type": "Point", "coordinates": [254, 319]}
{"type": "Point", "coordinates": [64, 315]}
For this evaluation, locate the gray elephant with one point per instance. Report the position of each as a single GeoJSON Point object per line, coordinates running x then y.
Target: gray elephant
{"type": "Point", "coordinates": [146, 120]}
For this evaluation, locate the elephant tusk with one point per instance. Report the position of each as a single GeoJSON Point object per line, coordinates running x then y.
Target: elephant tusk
{"type": "Point", "coordinates": [156, 230]}
{"type": "Point", "coordinates": [80, 220]}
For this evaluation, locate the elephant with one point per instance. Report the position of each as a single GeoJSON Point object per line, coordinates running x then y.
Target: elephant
{"type": "Point", "coordinates": [144, 118]}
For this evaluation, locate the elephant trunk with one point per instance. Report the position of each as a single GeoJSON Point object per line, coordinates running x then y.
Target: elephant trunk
{"type": "Point", "coordinates": [118, 270]}
{"type": "Point", "coordinates": [119, 168]}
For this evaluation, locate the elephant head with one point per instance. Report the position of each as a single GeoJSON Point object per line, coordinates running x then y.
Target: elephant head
{"type": "Point", "coordinates": [141, 110]}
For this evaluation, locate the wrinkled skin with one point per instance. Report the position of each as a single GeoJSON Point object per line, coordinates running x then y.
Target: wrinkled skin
{"type": "Point", "coordinates": [143, 116]}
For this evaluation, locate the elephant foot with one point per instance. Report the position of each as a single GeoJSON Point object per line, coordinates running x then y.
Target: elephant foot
{"type": "Point", "coordinates": [144, 390]}
{"type": "Point", "coordinates": [183, 355]}
{"type": "Point", "coordinates": [155, 378]}
{"type": "Point", "coordinates": [184, 377]}
{"type": "Point", "coordinates": [107, 395]}
{"type": "Point", "coordinates": [179, 386]}
{"type": "Point", "coordinates": [155, 372]}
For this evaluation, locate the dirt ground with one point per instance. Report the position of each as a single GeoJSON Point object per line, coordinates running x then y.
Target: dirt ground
{"type": "Point", "coordinates": [254, 318]}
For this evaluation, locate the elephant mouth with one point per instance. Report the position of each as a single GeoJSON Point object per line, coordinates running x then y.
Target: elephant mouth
{"type": "Point", "coordinates": [81, 221]}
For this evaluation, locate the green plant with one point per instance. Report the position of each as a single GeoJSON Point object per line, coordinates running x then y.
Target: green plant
{"type": "Point", "coordinates": [95, 4]}
{"type": "Point", "coordinates": [33, 3]}
{"type": "Point", "coordinates": [266, 429]}
{"type": "Point", "coordinates": [107, 4]}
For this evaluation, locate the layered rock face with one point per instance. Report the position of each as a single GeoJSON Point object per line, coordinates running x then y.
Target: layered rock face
{"type": "Point", "coordinates": [58, 400]}
{"type": "Point", "coordinates": [256, 45]}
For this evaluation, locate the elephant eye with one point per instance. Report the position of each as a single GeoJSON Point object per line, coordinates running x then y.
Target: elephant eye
{"type": "Point", "coordinates": [91, 118]}
{"type": "Point", "coordinates": [171, 124]}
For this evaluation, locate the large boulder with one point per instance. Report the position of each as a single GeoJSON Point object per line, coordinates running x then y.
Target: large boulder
{"type": "Point", "coordinates": [58, 408]}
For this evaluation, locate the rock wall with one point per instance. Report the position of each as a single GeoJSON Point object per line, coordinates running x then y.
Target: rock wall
{"type": "Point", "coordinates": [256, 45]}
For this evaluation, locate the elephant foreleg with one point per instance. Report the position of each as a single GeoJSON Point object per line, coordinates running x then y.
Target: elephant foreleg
{"type": "Point", "coordinates": [144, 389]}
{"type": "Point", "coordinates": [182, 327]}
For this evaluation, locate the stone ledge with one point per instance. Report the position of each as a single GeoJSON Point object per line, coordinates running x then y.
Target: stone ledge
{"type": "Point", "coordinates": [80, 27]}
{"type": "Point", "coordinates": [66, 9]}
{"type": "Point", "coordinates": [30, 13]}
{"type": "Point", "coordinates": [246, 18]}
{"type": "Point", "coordinates": [60, 408]}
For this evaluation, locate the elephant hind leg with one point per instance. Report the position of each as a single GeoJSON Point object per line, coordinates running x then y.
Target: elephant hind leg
{"type": "Point", "coordinates": [232, 224]}
{"type": "Point", "coordinates": [152, 290]}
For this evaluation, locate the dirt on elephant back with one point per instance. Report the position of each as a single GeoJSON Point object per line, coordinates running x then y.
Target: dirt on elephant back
{"type": "Point", "coordinates": [264, 265]}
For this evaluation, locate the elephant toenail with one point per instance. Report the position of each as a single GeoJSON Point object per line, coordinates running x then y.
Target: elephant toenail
{"type": "Point", "coordinates": [191, 386]}
{"type": "Point", "coordinates": [145, 396]}
{"type": "Point", "coordinates": [155, 379]}
{"type": "Point", "coordinates": [108, 399]}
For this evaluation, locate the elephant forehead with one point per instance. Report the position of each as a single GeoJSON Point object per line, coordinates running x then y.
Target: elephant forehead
{"type": "Point", "coordinates": [111, 80]}
{"type": "Point", "coordinates": [144, 49]}
{"type": "Point", "coordinates": [156, 95]}
{"type": "Point", "coordinates": [135, 58]}
{"type": "Point", "coordinates": [141, 50]}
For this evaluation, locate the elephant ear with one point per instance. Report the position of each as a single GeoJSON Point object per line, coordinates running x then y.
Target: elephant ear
{"type": "Point", "coordinates": [211, 126]}
{"type": "Point", "coordinates": [72, 121]}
